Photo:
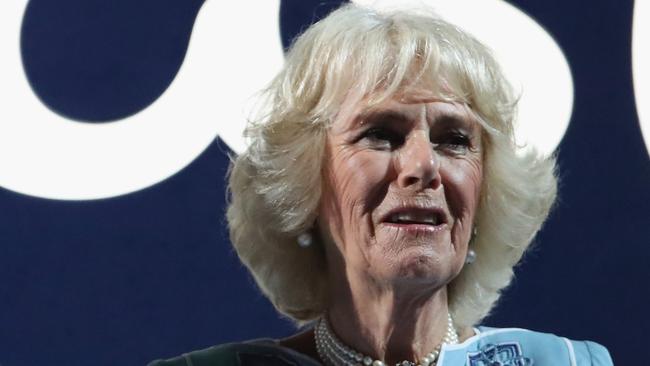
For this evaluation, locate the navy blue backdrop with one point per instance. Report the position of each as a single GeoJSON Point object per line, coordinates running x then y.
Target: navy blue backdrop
{"type": "Point", "coordinates": [151, 274]}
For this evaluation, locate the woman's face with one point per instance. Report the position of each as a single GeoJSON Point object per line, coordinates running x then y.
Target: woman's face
{"type": "Point", "coordinates": [402, 184]}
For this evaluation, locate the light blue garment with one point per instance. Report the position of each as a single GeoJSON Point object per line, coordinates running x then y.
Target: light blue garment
{"type": "Point", "coordinates": [489, 347]}
{"type": "Point", "coordinates": [521, 347]}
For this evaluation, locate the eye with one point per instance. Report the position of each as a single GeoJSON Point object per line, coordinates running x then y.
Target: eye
{"type": "Point", "coordinates": [455, 141]}
{"type": "Point", "coordinates": [382, 138]}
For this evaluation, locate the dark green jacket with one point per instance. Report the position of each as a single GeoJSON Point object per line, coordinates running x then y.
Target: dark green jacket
{"type": "Point", "coordinates": [262, 352]}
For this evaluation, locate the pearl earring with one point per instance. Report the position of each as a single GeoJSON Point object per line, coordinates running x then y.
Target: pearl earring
{"type": "Point", "coordinates": [470, 257]}
{"type": "Point", "coordinates": [305, 239]}
{"type": "Point", "coordinates": [471, 253]}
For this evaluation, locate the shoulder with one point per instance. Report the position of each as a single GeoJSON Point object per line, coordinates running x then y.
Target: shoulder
{"type": "Point", "coordinates": [216, 355]}
{"type": "Point", "coordinates": [251, 353]}
{"type": "Point", "coordinates": [521, 345]}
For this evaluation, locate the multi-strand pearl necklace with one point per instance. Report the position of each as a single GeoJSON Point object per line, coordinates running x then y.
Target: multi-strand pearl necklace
{"type": "Point", "coordinates": [334, 353]}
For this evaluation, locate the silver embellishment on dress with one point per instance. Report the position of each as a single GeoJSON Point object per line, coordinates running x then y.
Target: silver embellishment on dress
{"type": "Point", "coordinates": [502, 354]}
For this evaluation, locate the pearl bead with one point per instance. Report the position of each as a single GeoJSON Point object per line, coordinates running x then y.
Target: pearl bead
{"type": "Point", "coordinates": [378, 363]}
{"type": "Point", "coordinates": [305, 240]}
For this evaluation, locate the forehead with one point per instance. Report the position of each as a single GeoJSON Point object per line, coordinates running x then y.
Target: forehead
{"type": "Point", "coordinates": [412, 106]}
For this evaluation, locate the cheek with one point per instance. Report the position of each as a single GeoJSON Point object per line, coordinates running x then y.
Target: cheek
{"type": "Point", "coordinates": [355, 183]}
{"type": "Point", "coordinates": [462, 180]}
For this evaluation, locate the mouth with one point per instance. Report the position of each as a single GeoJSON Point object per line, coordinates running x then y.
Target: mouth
{"type": "Point", "coordinates": [417, 218]}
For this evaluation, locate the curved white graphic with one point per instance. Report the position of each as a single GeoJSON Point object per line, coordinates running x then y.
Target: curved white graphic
{"type": "Point", "coordinates": [641, 66]}
{"type": "Point", "coordinates": [530, 58]}
{"type": "Point", "coordinates": [232, 53]}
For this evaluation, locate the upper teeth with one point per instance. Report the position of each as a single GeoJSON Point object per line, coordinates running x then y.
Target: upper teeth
{"type": "Point", "coordinates": [420, 217]}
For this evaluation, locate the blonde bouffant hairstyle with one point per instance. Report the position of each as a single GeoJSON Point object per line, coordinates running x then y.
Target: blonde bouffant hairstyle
{"type": "Point", "coordinates": [276, 184]}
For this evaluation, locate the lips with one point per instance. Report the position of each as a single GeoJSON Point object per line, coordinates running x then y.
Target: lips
{"type": "Point", "coordinates": [431, 216]}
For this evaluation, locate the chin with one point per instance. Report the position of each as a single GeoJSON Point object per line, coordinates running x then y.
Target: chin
{"type": "Point", "coordinates": [424, 266]}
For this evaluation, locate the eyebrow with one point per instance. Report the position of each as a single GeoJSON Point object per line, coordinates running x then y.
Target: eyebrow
{"type": "Point", "coordinates": [446, 118]}
{"type": "Point", "coordinates": [377, 115]}
{"type": "Point", "coordinates": [452, 119]}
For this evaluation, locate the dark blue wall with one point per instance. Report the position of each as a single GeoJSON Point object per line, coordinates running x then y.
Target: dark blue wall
{"type": "Point", "coordinates": [151, 274]}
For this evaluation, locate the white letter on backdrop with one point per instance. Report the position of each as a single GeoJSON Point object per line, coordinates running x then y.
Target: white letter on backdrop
{"type": "Point", "coordinates": [234, 50]}
{"type": "Point", "coordinates": [641, 66]}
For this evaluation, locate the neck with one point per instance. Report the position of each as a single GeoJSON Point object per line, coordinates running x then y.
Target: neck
{"type": "Point", "coordinates": [389, 324]}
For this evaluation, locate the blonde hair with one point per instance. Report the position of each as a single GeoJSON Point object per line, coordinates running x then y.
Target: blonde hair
{"type": "Point", "coordinates": [275, 184]}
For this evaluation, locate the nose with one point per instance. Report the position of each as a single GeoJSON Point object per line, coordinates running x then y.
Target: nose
{"type": "Point", "coordinates": [418, 164]}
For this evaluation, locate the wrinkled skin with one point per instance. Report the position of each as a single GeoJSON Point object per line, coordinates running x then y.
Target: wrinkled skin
{"type": "Point", "coordinates": [402, 153]}
{"type": "Point", "coordinates": [388, 279]}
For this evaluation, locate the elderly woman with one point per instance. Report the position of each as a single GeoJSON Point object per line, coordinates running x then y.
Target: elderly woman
{"type": "Point", "coordinates": [383, 203]}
